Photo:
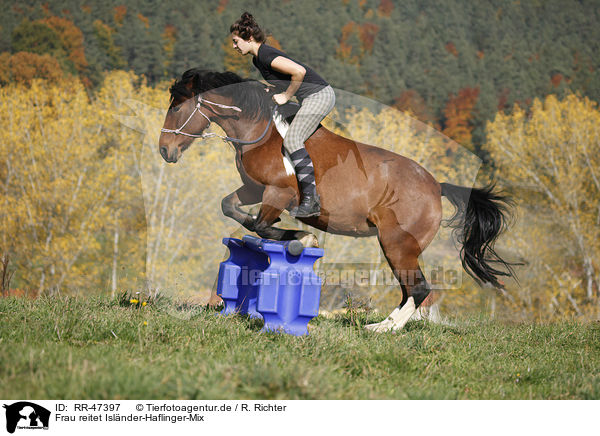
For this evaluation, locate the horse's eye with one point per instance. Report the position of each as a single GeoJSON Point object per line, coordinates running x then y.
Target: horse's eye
{"type": "Point", "coordinates": [175, 108]}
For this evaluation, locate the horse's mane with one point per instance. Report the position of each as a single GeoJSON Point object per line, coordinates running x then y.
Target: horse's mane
{"type": "Point", "coordinates": [248, 94]}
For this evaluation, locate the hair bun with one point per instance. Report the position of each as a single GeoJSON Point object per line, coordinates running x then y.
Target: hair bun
{"type": "Point", "coordinates": [247, 18]}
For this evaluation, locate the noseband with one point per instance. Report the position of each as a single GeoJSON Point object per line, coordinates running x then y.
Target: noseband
{"type": "Point", "coordinates": [201, 100]}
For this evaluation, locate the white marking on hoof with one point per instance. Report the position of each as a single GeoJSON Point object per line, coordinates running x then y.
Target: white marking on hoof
{"type": "Point", "coordinates": [397, 319]}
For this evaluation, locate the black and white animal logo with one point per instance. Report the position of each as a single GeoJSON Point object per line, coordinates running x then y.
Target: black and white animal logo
{"type": "Point", "coordinates": [26, 415]}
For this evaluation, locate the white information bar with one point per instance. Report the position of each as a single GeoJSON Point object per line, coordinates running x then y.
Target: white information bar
{"type": "Point", "coordinates": [282, 418]}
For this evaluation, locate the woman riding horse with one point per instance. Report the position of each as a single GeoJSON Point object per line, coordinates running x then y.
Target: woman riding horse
{"type": "Point", "coordinates": [314, 94]}
{"type": "Point", "coordinates": [365, 190]}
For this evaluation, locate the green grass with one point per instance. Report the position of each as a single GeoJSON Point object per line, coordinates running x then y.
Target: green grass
{"type": "Point", "coordinates": [97, 348]}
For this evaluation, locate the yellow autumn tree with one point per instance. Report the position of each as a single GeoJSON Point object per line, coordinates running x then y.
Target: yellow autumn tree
{"type": "Point", "coordinates": [551, 157]}
{"type": "Point", "coordinates": [53, 203]}
{"type": "Point", "coordinates": [68, 185]}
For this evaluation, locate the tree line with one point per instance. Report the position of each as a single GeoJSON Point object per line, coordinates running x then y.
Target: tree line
{"type": "Point", "coordinates": [453, 66]}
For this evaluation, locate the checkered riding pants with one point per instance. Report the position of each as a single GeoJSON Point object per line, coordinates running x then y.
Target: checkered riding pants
{"type": "Point", "coordinates": [312, 111]}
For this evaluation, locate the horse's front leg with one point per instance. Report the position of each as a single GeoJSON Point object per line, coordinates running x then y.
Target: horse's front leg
{"type": "Point", "coordinates": [247, 195]}
{"type": "Point", "coordinates": [243, 196]}
{"type": "Point", "coordinates": [274, 201]}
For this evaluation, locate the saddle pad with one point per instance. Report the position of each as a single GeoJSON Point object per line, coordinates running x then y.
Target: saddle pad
{"type": "Point", "coordinates": [282, 117]}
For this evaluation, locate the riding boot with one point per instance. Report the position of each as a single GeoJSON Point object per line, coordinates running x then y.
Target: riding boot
{"type": "Point", "coordinates": [310, 204]}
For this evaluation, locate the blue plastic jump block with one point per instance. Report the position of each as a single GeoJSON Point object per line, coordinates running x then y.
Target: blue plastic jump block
{"type": "Point", "coordinates": [262, 279]}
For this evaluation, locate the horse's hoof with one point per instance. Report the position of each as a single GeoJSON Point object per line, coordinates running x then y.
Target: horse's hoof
{"type": "Point", "coordinates": [214, 302]}
{"type": "Point", "coordinates": [379, 327]}
{"type": "Point", "coordinates": [387, 325]}
{"type": "Point", "coordinates": [309, 240]}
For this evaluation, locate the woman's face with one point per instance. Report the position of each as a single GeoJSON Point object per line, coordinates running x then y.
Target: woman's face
{"type": "Point", "coordinates": [241, 45]}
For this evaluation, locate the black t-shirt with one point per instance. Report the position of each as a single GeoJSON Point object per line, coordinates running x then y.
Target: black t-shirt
{"type": "Point", "coordinates": [312, 81]}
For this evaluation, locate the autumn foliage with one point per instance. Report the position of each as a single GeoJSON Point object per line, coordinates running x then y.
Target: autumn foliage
{"type": "Point", "coordinates": [119, 14]}
{"type": "Point", "coordinates": [458, 113]}
{"type": "Point", "coordinates": [385, 7]}
{"type": "Point", "coordinates": [52, 36]}
{"type": "Point", "coordinates": [62, 176]}
{"type": "Point", "coordinates": [23, 67]}
{"type": "Point", "coordinates": [222, 6]}
{"type": "Point", "coordinates": [357, 40]}
{"type": "Point", "coordinates": [550, 155]}
{"type": "Point", "coordinates": [451, 48]}
{"type": "Point", "coordinates": [169, 36]}
{"type": "Point", "coordinates": [71, 39]}
{"type": "Point", "coordinates": [411, 101]}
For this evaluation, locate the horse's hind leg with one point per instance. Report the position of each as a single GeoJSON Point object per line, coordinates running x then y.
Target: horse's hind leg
{"type": "Point", "coordinates": [402, 251]}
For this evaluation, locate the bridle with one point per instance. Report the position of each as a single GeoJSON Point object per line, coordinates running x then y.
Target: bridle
{"type": "Point", "coordinates": [201, 100]}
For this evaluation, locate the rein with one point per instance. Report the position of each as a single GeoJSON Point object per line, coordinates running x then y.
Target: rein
{"type": "Point", "coordinates": [201, 100]}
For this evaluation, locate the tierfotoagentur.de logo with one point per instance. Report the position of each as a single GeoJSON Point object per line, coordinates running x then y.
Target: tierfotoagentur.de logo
{"type": "Point", "coordinates": [26, 416]}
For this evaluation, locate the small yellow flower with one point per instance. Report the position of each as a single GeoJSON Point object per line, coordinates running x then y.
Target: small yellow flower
{"type": "Point", "coordinates": [145, 323]}
{"type": "Point", "coordinates": [133, 301]}
{"type": "Point", "coordinates": [144, 303]}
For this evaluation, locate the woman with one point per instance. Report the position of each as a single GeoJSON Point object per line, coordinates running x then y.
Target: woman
{"type": "Point", "coordinates": [290, 78]}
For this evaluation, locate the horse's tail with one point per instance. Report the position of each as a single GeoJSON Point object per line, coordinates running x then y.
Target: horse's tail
{"type": "Point", "coordinates": [484, 215]}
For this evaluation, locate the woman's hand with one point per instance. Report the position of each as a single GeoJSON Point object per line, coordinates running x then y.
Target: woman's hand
{"type": "Point", "coordinates": [281, 98]}
{"type": "Point", "coordinates": [297, 73]}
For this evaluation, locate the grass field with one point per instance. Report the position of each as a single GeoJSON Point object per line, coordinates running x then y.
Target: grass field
{"type": "Point", "coordinates": [98, 348]}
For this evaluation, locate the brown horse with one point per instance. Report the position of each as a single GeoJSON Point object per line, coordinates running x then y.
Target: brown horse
{"type": "Point", "coordinates": [383, 194]}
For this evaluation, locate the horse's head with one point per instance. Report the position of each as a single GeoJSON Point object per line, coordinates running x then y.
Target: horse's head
{"type": "Point", "coordinates": [200, 97]}
{"type": "Point", "coordinates": [186, 119]}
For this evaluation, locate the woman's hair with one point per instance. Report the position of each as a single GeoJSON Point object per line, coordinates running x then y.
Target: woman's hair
{"type": "Point", "coordinates": [246, 26]}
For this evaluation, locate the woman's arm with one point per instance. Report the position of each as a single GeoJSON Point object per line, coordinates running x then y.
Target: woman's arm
{"type": "Point", "coordinates": [297, 71]}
